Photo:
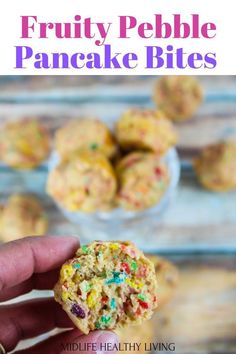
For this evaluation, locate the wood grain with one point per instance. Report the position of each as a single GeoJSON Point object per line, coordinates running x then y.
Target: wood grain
{"type": "Point", "coordinates": [197, 220]}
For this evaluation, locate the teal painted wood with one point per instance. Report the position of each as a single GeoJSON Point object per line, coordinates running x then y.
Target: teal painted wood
{"type": "Point", "coordinates": [197, 220]}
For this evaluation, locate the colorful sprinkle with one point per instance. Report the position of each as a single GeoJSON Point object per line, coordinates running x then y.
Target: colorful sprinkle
{"type": "Point", "coordinates": [125, 267]}
{"type": "Point", "coordinates": [129, 251]}
{"type": "Point", "coordinates": [158, 171]}
{"type": "Point", "coordinates": [132, 284]}
{"type": "Point", "coordinates": [65, 295]}
{"type": "Point", "coordinates": [142, 271]}
{"type": "Point", "coordinates": [94, 146]}
{"type": "Point", "coordinates": [92, 298]}
{"type": "Point", "coordinates": [68, 284]}
{"type": "Point", "coordinates": [118, 278]}
{"type": "Point", "coordinates": [141, 297]}
{"type": "Point", "coordinates": [105, 319]}
{"type": "Point", "coordinates": [134, 266]}
{"type": "Point", "coordinates": [113, 303]}
{"type": "Point", "coordinates": [76, 266]}
{"type": "Point", "coordinates": [85, 249]}
{"type": "Point", "coordinates": [77, 311]}
{"type": "Point", "coordinates": [114, 246]}
{"type": "Point", "coordinates": [138, 312]}
{"type": "Point", "coordinates": [97, 325]}
{"type": "Point", "coordinates": [143, 304]}
{"type": "Point", "coordinates": [104, 299]}
{"type": "Point", "coordinates": [66, 272]}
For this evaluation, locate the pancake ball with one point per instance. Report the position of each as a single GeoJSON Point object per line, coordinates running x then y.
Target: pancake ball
{"type": "Point", "coordinates": [86, 182]}
{"type": "Point", "coordinates": [22, 216]}
{"type": "Point", "coordinates": [24, 144]}
{"type": "Point", "coordinates": [145, 130]}
{"type": "Point", "coordinates": [106, 286]}
{"type": "Point", "coordinates": [143, 335]}
{"type": "Point", "coordinates": [215, 167]}
{"type": "Point", "coordinates": [178, 96]}
{"type": "Point", "coordinates": [142, 179]}
{"type": "Point", "coordinates": [167, 277]}
{"type": "Point", "coordinates": [84, 133]}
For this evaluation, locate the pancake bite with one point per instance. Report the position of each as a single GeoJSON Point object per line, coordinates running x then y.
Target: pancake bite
{"type": "Point", "coordinates": [22, 216]}
{"type": "Point", "coordinates": [137, 334]}
{"type": "Point", "coordinates": [178, 96]}
{"type": "Point", "coordinates": [142, 180]}
{"type": "Point", "coordinates": [86, 182]}
{"type": "Point", "coordinates": [168, 278]}
{"type": "Point", "coordinates": [145, 130]}
{"type": "Point", "coordinates": [84, 134]}
{"type": "Point", "coordinates": [107, 285]}
{"type": "Point", "coordinates": [215, 167]}
{"type": "Point", "coordinates": [24, 144]}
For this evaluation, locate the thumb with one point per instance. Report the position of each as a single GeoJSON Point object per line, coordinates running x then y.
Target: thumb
{"type": "Point", "coordinates": [101, 342]}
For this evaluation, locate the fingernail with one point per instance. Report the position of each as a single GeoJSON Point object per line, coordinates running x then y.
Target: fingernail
{"type": "Point", "coordinates": [107, 342]}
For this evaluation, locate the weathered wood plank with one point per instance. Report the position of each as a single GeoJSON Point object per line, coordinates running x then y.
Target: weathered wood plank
{"type": "Point", "coordinates": [212, 123]}
{"type": "Point", "coordinates": [16, 84]}
{"type": "Point", "coordinates": [197, 219]}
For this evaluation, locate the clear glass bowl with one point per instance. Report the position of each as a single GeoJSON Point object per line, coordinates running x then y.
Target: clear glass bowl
{"type": "Point", "coordinates": [121, 224]}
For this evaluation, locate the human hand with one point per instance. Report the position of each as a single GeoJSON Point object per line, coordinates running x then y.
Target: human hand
{"type": "Point", "coordinates": [33, 263]}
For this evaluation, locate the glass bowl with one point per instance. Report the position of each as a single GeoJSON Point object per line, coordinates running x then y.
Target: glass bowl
{"type": "Point", "coordinates": [121, 224]}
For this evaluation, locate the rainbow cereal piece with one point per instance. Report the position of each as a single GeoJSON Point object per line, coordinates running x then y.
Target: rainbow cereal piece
{"type": "Point", "coordinates": [84, 134]}
{"type": "Point", "coordinates": [178, 96]}
{"type": "Point", "coordinates": [85, 183]}
{"type": "Point", "coordinates": [145, 130]}
{"type": "Point", "coordinates": [107, 285]}
{"type": "Point", "coordinates": [24, 144]}
{"type": "Point", "coordinates": [142, 180]}
{"type": "Point", "coordinates": [215, 167]}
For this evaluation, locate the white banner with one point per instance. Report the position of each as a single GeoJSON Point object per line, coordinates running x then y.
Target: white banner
{"type": "Point", "coordinates": [128, 37]}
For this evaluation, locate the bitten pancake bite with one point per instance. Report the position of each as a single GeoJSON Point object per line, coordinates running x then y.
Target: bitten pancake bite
{"type": "Point", "coordinates": [84, 133]}
{"type": "Point", "coordinates": [24, 144]}
{"type": "Point", "coordinates": [145, 130]}
{"type": "Point", "coordinates": [22, 216]}
{"type": "Point", "coordinates": [167, 277]}
{"type": "Point", "coordinates": [215, 167]}
{"type": "Point", "coordinates": [142, 180]}
{"type": "Point", "coordinates": [107, 285]}
{"type": "Point", "coordinates": [178, 96]}
{"type": "Point", "coordinates": [86, 182]}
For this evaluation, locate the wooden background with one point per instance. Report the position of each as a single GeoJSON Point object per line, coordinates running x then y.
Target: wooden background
{"type": "Point", "coordinates": [197, 220]}
{"type": "Point", "coordinates": [197, 232]}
